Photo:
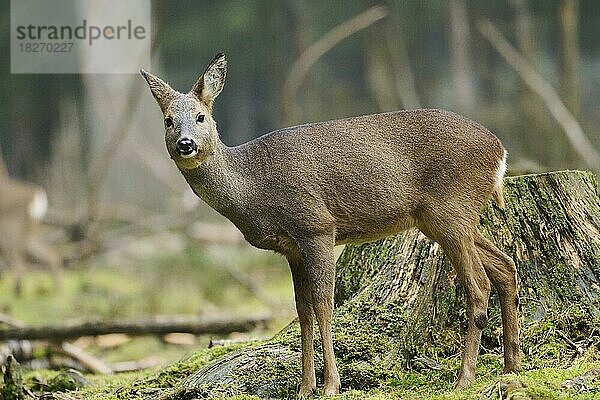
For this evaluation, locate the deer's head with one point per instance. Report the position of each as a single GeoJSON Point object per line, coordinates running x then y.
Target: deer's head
{"type": "Point", "coordinates": [190, 130]}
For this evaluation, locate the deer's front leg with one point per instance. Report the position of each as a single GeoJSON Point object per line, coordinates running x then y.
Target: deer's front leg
{"type": "Point", "coordinates": [303, 295]}
{"type": "Point", "coordinates": [319, 263]}
{"type": "Point", "coordinates": [44, 253]}
{"type": "Point", "coordinates": [17, 265]}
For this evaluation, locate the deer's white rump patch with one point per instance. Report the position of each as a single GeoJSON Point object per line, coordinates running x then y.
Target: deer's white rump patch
{"type": "Point", "coordinates": [38, 206]}
{"type": "Point", "coordinates": [500, 172]}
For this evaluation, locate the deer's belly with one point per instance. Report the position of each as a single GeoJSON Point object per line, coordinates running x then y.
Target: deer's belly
{"type": "Point", "coordinates": [373, 229]}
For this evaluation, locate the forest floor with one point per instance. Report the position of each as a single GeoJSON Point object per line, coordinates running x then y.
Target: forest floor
{"type": "Point", "coordinates": [199, 280]}
{"type": "Point", "coordinates": [577, 381]}
{"type": "Point", "coordinates": [196, 281]}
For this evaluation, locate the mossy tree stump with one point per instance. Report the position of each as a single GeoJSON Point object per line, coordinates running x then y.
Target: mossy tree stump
{"type": "Point", "coordinates": [399, 306]}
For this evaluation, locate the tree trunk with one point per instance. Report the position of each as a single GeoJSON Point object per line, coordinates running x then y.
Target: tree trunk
{"type": "Point", "coordinates": [535, 129]}
{"type": "Point", "coordinates": [460, 59]}
{"type": "Point", "coordinates": [569, 54]}
{"type": "Point", "coordinates": [378, 74]}
{"type": "Point", "coordinates": [399, 306]}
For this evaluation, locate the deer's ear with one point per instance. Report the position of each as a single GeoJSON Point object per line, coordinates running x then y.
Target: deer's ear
{"type": "Point", "coordinates": [210, 84]}
{"type": "Point", "coordinates": [162, 92]}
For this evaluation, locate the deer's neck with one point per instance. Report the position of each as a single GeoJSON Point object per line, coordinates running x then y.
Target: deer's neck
{"type": "Point", "coordinates": [223, 181]}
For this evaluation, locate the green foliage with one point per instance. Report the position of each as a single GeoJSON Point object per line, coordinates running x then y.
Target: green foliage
{"type": "Point", "coordinates": [191, 282]}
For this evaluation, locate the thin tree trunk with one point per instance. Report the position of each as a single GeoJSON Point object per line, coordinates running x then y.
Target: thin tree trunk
{"type": "Point", "coordinates": [3, 167]}
{"type": "Point", "coordinates": [460, 61]}
{"type": "Point", "coordinates": [405, 80]}
{"type": "Point", "coordinates": [535, 126]}
{"type": "Point", "coordinates": [569, 54]}
{"type": "Point", "coordinates": [379, 75]}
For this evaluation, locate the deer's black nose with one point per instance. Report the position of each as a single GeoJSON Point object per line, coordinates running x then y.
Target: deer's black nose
{"type": "Point", "coordinates": [186, 146]}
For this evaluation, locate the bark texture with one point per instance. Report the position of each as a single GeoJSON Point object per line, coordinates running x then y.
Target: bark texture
{"type": "Point", "coordinates": [399, 306]}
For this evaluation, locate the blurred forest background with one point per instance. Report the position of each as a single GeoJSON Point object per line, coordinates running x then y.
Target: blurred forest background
{"type": "Point", "coordinates": [123, 217]}
{"type": "Point", "coordinates": [422, 54]}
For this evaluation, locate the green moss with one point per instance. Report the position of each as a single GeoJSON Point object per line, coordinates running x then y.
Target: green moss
{"type": "Point", "coordinates": [367, 376]}
{"type": "Point", "coordinates": [208, 391]}
{"type": "Point", "coordinates": [65, 381]}
{"type": "Point", "coordinates": [170, 376]}
{"type": "Point", "coordinates": [11, 387]}
{"type": "Point", "coordinates": [277, 378]}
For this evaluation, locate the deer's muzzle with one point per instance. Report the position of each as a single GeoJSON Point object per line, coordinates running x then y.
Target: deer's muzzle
{"type": "Point", "coordinates": [186, 147]}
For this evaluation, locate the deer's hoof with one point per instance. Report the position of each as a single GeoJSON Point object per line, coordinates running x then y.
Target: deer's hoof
{"type": "Point", "coordinates": [481, 320]}
{"type": "Point", "coordinates": [331, 388]}
{"type": "Point", "coordinates": [306, 391]}
{"type": "Point", "coordinates": [464, 381]}
{"type": "Point", "coordinates": [512, 367]}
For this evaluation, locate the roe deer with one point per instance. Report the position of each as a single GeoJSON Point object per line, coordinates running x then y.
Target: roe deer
{"type": "Point", "coordinates": [22, 207]}
{"type": "Point", "coordinates": [299, 191]}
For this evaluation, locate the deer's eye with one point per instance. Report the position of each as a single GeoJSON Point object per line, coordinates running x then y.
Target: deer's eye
{"type": "Point", "coordinates": [168, 122]}
{"type": "Point", "coordinates": [200, 118]}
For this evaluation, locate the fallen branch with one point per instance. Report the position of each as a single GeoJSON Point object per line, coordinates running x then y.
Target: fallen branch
{"type": "Point", "coordinates": [88, 361]}
{"type": "Point", "coordinates": [154, 326]}
{"type": "Point", "coordinates": [571, 343]}
{"type": "Point", "coordinates": [130, 366]}
{"type": "Point", "coordinates": [10, 321]}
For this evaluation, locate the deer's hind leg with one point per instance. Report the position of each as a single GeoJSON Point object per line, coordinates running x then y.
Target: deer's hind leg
{"type": "Point", "coordinates": [502, 271]}
{"type": "Point", "coordinates": [12, 247]}
{"type": "Point", "coordinates": [456, 239]}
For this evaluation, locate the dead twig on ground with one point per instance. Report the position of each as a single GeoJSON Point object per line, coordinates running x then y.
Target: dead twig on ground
{"type": "Point", "coordinates": [88, 361]}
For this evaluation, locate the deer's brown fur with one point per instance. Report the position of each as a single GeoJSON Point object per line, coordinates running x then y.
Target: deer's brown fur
{"type": "Point", "coordinates": [22, 207]}
{"type": "Point", "coordinates": [301, 190]}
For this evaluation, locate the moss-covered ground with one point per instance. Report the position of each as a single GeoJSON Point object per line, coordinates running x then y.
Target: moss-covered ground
{"type": "Point", "coordinates": [567, 382]}
{"type": "Point", "coordinates": [199, 280]}
{"type": "Point", "coordinates": [561, 360]}
{"type": "Point", "coordinates": [374, 345]}
{"type": "Point", "coordinates": [191, 282]}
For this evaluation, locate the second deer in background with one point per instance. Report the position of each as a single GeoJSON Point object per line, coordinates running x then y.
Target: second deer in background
{"type": "Point", "coordinates": [22, 208]}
